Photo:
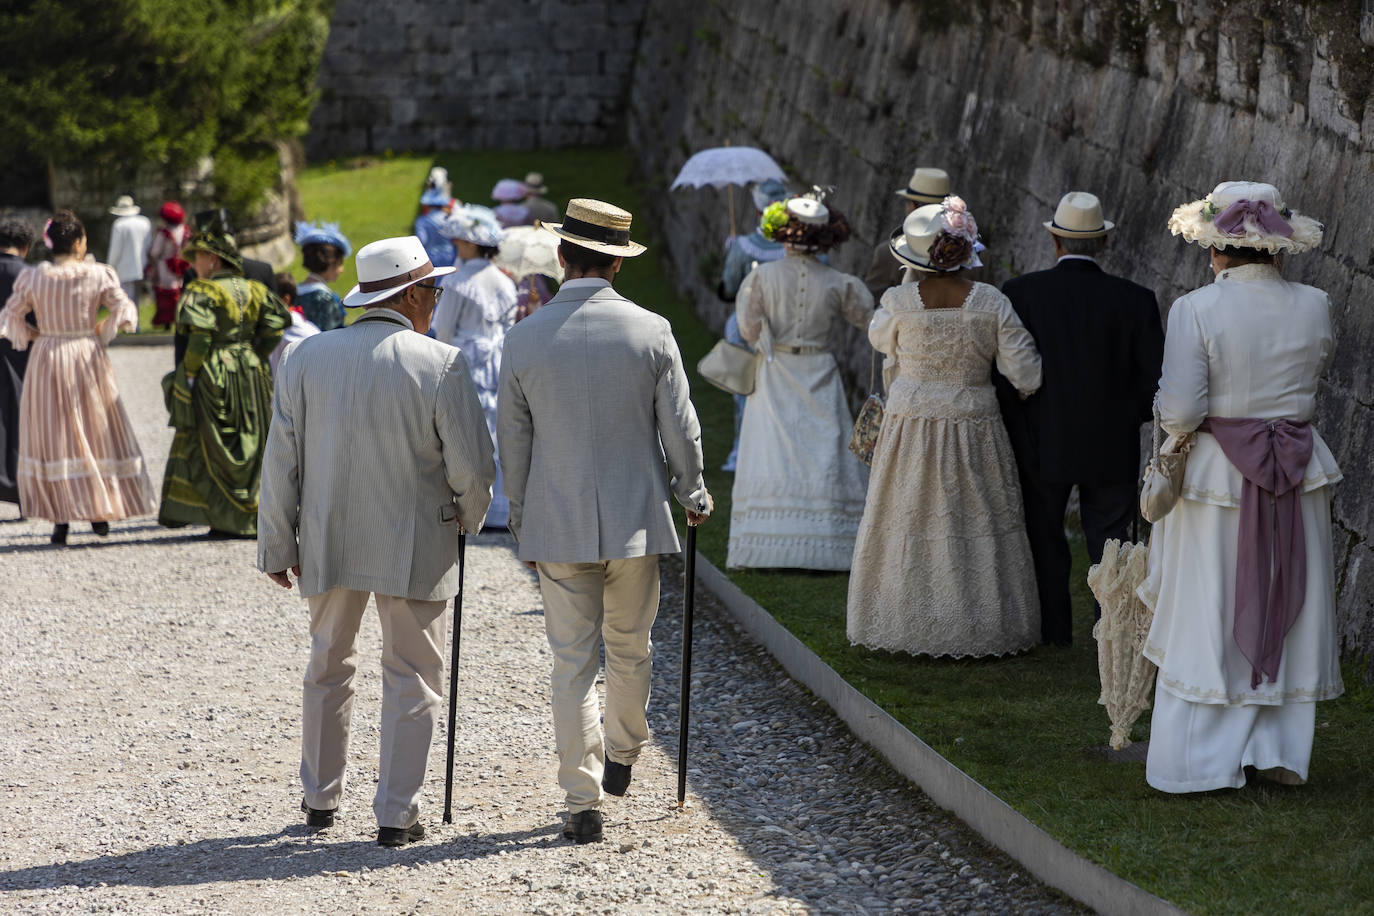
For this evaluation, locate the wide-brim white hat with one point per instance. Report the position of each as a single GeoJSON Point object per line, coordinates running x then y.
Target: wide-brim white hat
{"type": "Point", "coordinates": [125, 206]}
{"type": "Point", "coordinates": [473, 223]}
{"type": "Point", "coordinates": [387, 266]}
{"type": "Point", "coordinates": [1246, 214]}
{"type": "Point", "coordinates": [597, 225]}
{"type": "Point", "coordinates": [927, 186]}
{"type": "Point", "coordinates": [911, 243]}
{"type": "Point", "coordinates": [1079, 216]}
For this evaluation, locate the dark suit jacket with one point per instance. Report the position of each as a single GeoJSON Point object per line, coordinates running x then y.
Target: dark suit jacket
{"type": "Point", "coordinates": [1101, 344]}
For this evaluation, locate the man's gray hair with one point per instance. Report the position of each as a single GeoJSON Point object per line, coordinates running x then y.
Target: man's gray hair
{"type": "Point", "coordinates": [1089, 247]}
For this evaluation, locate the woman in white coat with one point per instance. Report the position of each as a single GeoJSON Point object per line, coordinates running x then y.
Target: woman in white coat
{"type": "Point", "coordinates": [478, 306]}
{"type": "Point", "coordinates": [1241, 577]}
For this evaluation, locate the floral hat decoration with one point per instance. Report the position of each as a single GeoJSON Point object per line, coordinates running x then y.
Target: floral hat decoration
{"type": "Point", "coordinates": [322, 234]}
{"type": "Point", "coordinates": [473, 223]}
{"type": "Point", "coordinates": [938, 238]}
{"type": "Point", "coordinates": [805, 222]}
{"type": "Point", "coordinates": [1245, 214]}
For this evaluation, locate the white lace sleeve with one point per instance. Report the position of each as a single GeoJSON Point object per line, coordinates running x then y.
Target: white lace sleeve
{"type": "Point", "coordinates": [1017, 357]}
{"type": "Point", "coordinates": [1183, 384]}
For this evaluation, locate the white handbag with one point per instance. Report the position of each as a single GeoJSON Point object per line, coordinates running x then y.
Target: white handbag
{"type": "Point", "coordinates": [730, 367]}
{"type": "Point", "coordinates": [1163, 483]}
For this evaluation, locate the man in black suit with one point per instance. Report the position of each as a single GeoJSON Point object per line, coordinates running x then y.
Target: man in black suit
{"type": "Point", "coordinates": [15, 237]}
{"type": "Point", "coordinates": [1101, 344]}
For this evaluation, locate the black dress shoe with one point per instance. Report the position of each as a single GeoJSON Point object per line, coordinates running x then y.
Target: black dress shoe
{"type": "Point", "coordinates": [399, 836]}
{"type": "Point", "coordinates": [615, 779]}
{"type": "Point", "coordinates": [101, 529]}
{"type": "Point", "coordinates": [59, 533]}
{"type": "Point", "coordinates": [318, 818]}
{"type": "Point", "coordinates": [583, 827]}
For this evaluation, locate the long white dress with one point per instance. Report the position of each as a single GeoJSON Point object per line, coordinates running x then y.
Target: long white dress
{"type": "Point", "coordinates": [798, 493]}
{"type": "Point", "coordinates": [477, 308]}
{"type": "Point", "coordinates": [1249, 345]}
{"type": "Point", "coordinates": [942, 565]}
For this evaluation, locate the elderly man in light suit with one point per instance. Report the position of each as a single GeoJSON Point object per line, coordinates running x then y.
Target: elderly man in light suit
{"type": "Point", "coordinates": [378, 452]}
{"type": "Point", "coordinates": [593, 401]}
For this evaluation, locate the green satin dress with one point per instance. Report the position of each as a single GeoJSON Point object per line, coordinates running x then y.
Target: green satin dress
{"type": "Point", "coordinates": [220, 400]}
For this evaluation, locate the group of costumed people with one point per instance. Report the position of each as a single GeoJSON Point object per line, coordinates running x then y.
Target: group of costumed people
{"type": "Point", "coordinates": [1001, 402]}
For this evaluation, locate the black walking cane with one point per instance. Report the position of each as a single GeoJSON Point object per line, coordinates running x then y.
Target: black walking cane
{"type": "Point", "coordinates": [453, 677]}
{"type": "Point", "coordinates": [689, 562]}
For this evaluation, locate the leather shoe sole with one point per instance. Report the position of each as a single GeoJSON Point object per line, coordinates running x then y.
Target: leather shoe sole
{"type": "Point", "coordinates": [615, 779]}
{"type": "Point", "coordinates": [400, 836]}
{"type": "Point", "coordinates": [584, 827]}
{"type": "Point", "coordinates": [317, 817]}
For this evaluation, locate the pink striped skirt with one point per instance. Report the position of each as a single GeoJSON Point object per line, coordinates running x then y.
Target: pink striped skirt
{"type": "Point", "coordinates": [78, 458]}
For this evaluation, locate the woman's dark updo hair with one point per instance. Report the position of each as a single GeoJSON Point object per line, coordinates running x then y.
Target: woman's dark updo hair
{"type": "Point", "coordinates": [320, 256]}
{"type": "Point", "coordinates": [1243, 255]}
{"type": "Point", "coordinates": [487, 251]}
{"type": "Point", "coordinates": [66, 230]}
{"type": "Point", "coordinates": [824, 237]}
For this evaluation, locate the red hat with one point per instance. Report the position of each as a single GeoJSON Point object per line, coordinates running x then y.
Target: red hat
{"type": "Point", "coordinates": [171, 211]}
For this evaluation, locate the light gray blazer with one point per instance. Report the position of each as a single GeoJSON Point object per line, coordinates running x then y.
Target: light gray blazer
{"type": "Point", "coordinates": [377, 437]}
{"type": "Point", "coordinates": [593, 401]}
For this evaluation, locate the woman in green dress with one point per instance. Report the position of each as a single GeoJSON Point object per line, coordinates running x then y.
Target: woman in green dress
{"type": "Point", "coordinates": [220, 395]}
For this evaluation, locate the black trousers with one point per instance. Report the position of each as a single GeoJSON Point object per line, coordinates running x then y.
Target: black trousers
{"type": "Point", "coordinates": [1105, 510]}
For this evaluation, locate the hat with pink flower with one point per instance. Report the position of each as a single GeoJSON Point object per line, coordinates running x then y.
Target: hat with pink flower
{"type": "Point", "coordinates": [938, 238]}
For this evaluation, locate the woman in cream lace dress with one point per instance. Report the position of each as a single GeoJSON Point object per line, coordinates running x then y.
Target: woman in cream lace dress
{"type": "Point", "coordinates": [942, 565]}
{"type": "Point", "coordinates": [798, 492]}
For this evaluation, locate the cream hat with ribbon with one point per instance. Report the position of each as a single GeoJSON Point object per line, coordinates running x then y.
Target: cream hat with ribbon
{"type": "Point", "coordinates": [927, 186]}
{"type": "Point", "coordinates": [923, 226]}
{"type": "Point", "coordinates": [1245, 214]}
{"type": "Point", "coordinates": [596, 225]}
{"type": "Point", "coordinates": [1079, 216]}
{"type": "Point", "coordinates": [387, 266]}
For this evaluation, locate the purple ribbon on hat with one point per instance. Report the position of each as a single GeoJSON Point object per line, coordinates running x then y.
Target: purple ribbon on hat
{"type": "Point", "coordinates": [1271, 555]}
{"type": "Point", "coordinates": [1232, 219]}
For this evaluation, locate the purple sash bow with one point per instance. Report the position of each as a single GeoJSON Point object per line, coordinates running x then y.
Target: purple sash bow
{"type": "Point", "coordinates": [1232, 219]}
{"type": "Point", "coordinates": [1271, 556]}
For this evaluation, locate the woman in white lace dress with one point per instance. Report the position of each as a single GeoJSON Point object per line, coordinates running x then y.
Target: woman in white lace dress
{"type": "Point", "coordinates": [798, 492]}
{"type": "Point", "coordinates": [942, 565]}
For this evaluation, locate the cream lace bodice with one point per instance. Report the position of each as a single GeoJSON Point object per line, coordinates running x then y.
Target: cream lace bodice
{"type": "Point", "coordinates": [945, 356]}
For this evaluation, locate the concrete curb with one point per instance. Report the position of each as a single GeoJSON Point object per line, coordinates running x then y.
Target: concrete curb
{"type": "Point", "coordinates": [949, 787]}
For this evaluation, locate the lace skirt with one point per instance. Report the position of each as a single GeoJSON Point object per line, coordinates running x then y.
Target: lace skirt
{"type": "Point", "coordinates": [942, 565]}
{"type": "Point", "coordinates": [798, 492]}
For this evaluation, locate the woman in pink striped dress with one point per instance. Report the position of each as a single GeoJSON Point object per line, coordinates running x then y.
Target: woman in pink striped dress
{"type": "Point", "coordinates": [78, 458]}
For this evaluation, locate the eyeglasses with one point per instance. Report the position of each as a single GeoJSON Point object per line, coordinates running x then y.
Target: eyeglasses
{"type": "Point", "coordinates": [438, 290]}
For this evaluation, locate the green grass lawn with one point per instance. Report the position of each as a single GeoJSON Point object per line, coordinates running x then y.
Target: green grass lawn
{"type": "Point", "coordinates": [1025, 727]}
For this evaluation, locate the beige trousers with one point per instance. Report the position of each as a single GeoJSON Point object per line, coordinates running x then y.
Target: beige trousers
{"type": "Point", "coordinates": [412, 686]}
{"type": "Point", "coordinates": [586, 604]}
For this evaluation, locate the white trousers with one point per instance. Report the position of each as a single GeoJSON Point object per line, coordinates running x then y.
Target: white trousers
{"type": "Point", "coordinates": [412, 686]}
{"type": "Point", "coordinates": [586, 604]}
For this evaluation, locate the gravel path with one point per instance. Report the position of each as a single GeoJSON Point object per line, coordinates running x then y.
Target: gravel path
{"type": "Point", "coordinates": [151, 695]}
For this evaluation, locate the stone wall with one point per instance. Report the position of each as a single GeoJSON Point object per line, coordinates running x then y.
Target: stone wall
{"type": "Point", "coordinates": [1148, 103]}
{"type": "Point", "coordinates": [506, 74]}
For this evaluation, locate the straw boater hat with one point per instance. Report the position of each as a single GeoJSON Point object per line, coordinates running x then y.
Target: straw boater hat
{"type": "Point", "coordinates": [927, 186]}
{"type": "Point", "coordinates": [938, 238]}
{"type": "Point", "coordinates": [596, 225]}
{"type": "Point", "coordinates": [124, 206]}
{"type": "Point", "coordinates": [1079, 216]}
{"type": "Point", "coordinates": [1245, 214]}
{"type": "Point", "coordinates": [534, 183]}
{"type": "Point", "coordinates": [388, 266]}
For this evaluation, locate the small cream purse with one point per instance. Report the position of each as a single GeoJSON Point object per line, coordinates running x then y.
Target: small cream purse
{"type": "Point", "coordinates": [1163, 483]}
{"type": "Point", "coordinates": [730, 367]}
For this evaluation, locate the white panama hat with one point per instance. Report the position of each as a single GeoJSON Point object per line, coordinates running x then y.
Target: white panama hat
{"type": "Point", "coordinates": [927, 186]}
{"type": "Point", "coordinates": [1079, 216]}
{"type": "Point", "coordinates": [597, 225]}
{"type": "Point", "coordinates": [124, 206]}
{"type": "Point", "coordinates": [1246, 214]}
{"type": "Point", "coordinates": [387, 266]}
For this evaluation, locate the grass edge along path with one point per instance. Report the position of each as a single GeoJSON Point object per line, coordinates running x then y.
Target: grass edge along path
{"type": "Point", "coordinates": [1026, 727]}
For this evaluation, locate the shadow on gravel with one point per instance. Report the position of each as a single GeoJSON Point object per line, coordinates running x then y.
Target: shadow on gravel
{"type": "Point", "coordinates": [81, 537]}
{"type": "Point", "coordinates": [293, 852]}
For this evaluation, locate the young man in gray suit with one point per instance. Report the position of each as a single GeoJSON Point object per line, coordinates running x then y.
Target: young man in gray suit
{"type": "Point", "coordinates": [593, 402]}
{"type": "Point", "coordinates": [377, 453]}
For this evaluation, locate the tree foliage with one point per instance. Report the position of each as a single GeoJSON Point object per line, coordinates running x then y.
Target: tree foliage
{"type": "Point", "coordinates": [112, 83]}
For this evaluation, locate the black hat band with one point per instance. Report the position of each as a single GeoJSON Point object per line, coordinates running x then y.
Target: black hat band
{"type": "Point", "coordinates": [603, 234]}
